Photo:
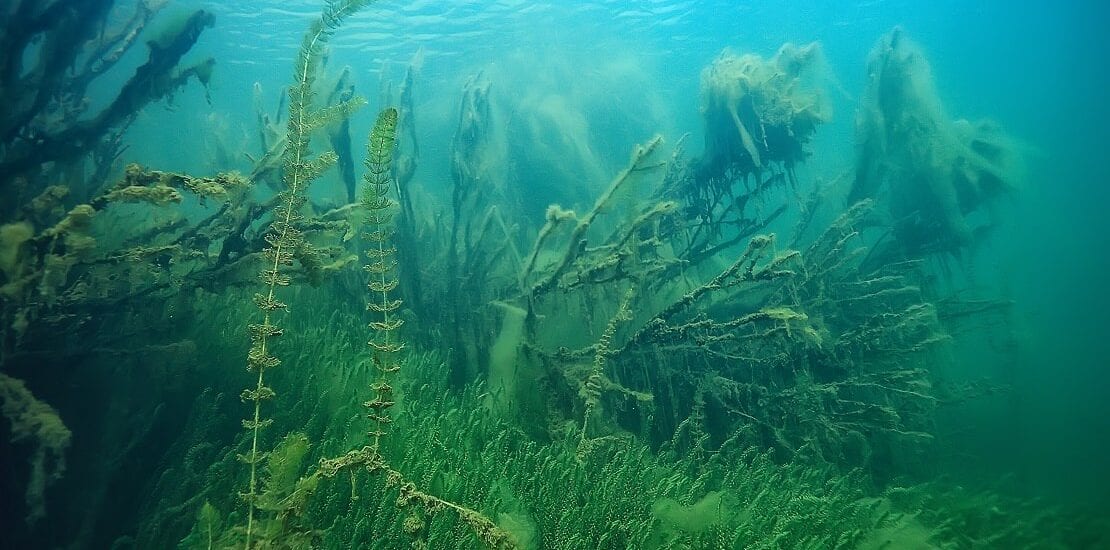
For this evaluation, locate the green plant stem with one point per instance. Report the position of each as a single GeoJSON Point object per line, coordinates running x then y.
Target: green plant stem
{"type": "Point", "coordinates": [294, 188]}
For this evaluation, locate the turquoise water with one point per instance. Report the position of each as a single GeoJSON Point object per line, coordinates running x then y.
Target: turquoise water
{"type": "Point", "coordinates": [911, 352]}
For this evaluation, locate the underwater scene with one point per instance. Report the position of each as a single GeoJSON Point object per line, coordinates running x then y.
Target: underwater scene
{"type": "Point", "coordinates": [599, 274]}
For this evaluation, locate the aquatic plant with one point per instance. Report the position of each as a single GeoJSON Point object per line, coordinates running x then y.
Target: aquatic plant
{"type": "Point", "coordinates": [285, 238]}
{"type": "Point", "coordinates": [286, 243]}
{"type": "Point", "coordinates": [59, 150]}
{"type": "Point", "coordinates": [31, 419]}
{"type": "Point", "coordinates": [375, 199]}
{"type": "Point", "coordinates": [933, 173]}
{"type": "Point", "coordinates": [472, 214]}
{"type": "Point", "coordinates": [758, 112]}
{"type": "Point", "coordinates": [597, 382]}
{"type": "Point", "coordinates": [667, 367]}
{"type": "Point", "coordinates": [46, 120]}
{"type": "Point", "coordinates": [58, 264]}
{"type": "Point", "coordinates": [767, 341]}
{"type": "Point", "coordinates": [385, 346]}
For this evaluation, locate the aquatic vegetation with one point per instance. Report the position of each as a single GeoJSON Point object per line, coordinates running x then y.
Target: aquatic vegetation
{"type": "Point", "coordinates": [695, 352]}
{"type": "Point", "coordinates": [759, 340]}
{"type": "Point", "coordinates": [285, 238]}
{"type": "Point", "coordinates": [385, 347]}
{"type": "Point", "coordinates": [46, 119]}
{"type": "Point", "coordinates": [284, 494]}
{"type": "Point", "coordinates": [376, 201]}
{"type": "Point", "coordinates": [933, 172]}
{"type": "Point", "coordinates": [51, 54]}
{"type": "Point", "coordinates": [759, 113]}
{"type": "Point", "coordinates": [59, 264]}
{"type": "Point", "coordinates": [32, 419]}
